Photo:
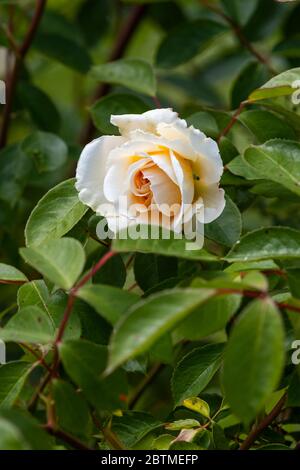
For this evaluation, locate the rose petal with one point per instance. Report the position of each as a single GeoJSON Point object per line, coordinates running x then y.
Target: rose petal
{"type": "Point", "coordinates": [165, 191]}
{"type": "Point", "coordinates": [91, 170]}
{"type": "Point", "coordinates": [147, 121]}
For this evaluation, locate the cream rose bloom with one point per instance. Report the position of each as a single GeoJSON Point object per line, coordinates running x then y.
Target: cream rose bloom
{"type": "Point", "coordinates": [170, 171]}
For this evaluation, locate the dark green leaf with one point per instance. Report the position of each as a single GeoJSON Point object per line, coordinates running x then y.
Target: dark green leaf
{"type": "Point", "coordinates": [150, 319]}
{"type": "Point", "coordinates": [254, 359]}
{"type": "Point", "coordinates": [85, 362]}
{"type": "Point", "coordinates": [48, 151]}
{"type": "Point", "coordinates": [119, 103]}
{"type": "Point", "coordinates": [195, 370]}
{"type": "Point", "coordinates": [186, 41]}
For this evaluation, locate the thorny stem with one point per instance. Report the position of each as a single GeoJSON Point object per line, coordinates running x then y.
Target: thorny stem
{"type": "Point", "coordinates": [240, 35]}
{"type": "Point", "coordinates": [18, 62]}
{"type": "Point", "coordinates": [117, 52]}
{"type": "Point", "coordinates": [257, 429]}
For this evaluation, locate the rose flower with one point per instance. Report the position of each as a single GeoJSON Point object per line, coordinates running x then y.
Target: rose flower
{"type": "Point", "coordinates": [168, 172]}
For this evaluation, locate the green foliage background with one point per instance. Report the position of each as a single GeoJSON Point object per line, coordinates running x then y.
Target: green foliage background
{"type": "Point", "coordinates": [149, 346]}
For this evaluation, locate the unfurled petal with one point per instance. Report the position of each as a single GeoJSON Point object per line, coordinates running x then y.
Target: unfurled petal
{"type": "Point", "coordinates": [91, 170]}
{"type": "Point", "coordinates": [147, 121]}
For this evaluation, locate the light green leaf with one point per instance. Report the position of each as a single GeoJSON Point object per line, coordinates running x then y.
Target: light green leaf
{"type": "Point", "coordinates": [254, 359]}
{"type": "Point", "coordinates": [150, 319]}
{"type": "Point", "coordinates": [135, 74]}
{"type": "Point", "coordinates": [29, 325]}
{"type": "Point", "coordinates": [61, 261]}
{"type": "Point", "coordinates": [12, 379]}
{"type": "Point", "coordinates": [55, 214]}
{"type": "Point", "coordinates": [119, 103]}
{"type": "Point", "coordinates": [85, 363]}
{"type": "Point", "coordinates": [109, 302]}
{"type": "Point", "coordinates": [281, 85]}
{"type": "Point", "coordinates": [278, 161]}
{"type": "Point", "coordinates": [267, 243]}
{"type": "Point", "coordinates": [169, 246]}
{"type": "Point", "coordinates": [10, 273]}
{"type": "Point", "coordinates": [48, 151]}
{"type": "Point", "coordinates": [195, 370]}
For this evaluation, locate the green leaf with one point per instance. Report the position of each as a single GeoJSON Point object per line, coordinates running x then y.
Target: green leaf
{"type": "Point", "coordinates": [265, 125]}
{"type": "Point", "coordinates": [14, 174]}
{"type": "Point", "coordinates": [251, 77]}
{"type": "Point", "coordinates": [10, 273]}
{"type": "Point", "coordinates": [227, 228]}
{"type": "Point", "coordinates": [55, 214]}
{"type": "Point", "coordinates": [198, 405]}
{"type": "Point", "coordinates": [94, 18]}
{"type": "Point", "coordinates": [254, 359]}
{"type": "Point", "coordinates": [240, 167]}
{"type": "Point", "coordinates": [240, 10]}
{"type": "Point", "coordinates": [71, 410]}
{"type": "Point", "coordinates": [150, 319]}
{"type": "Point", "coordinates": [85, 363]}
{"type": "Point", "coordinates": [36, 293]}
{"type": "Point", "coordinates": [65, 50]}
{"type": "Point", "coordinates": [195, 370]}
{"type": "Point", "coordinates": [209, 318]}
{"type": "Point", "coordinates": [12, 379]}
{"type": "Point", "coordinates": [281, 85]}
{"type": "Point", "coordinates": [267, 243]}
{"type": "Point", "coordinates": [19, 431]}
{"type": "Point", "coordinates": [277, 160]}
{"type": "Point", "coordinates": [186, 41]}
{"type": "Point", "coordinates": [151, 269]}
{"type": "Point", "coordinates": [29, 325]}
{"type": "Point", "coordinates": [132, 426]}
{"type": "Point", "coordinates": [119, 103]}
{"type": "Point", "coordinates": [61, 261]}
{"type": "Point", "coordinates": [109, 302]}
{"type": "Point", "coordinates": [113, 273]}
{"type": "Point", "coordinates": [182, 424]}
{"type": "Point", "coordinates": [168, 246]}
{"type": "Point", "coordinates": [48, 151]}
{"type": "Point", "coordinates": [42, 110]}
{"type": "Point", "coordinates": [135, 74]}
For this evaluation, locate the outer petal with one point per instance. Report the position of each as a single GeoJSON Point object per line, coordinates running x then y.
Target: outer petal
{"type": "Point", "coordinates": [214, 202]}
{"type": "Point", "coordinates": [91, 170]}
{"type": "Point", "coordinates": [209, 164]}
{"type": "Point", "coordinates": [147, 121]}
